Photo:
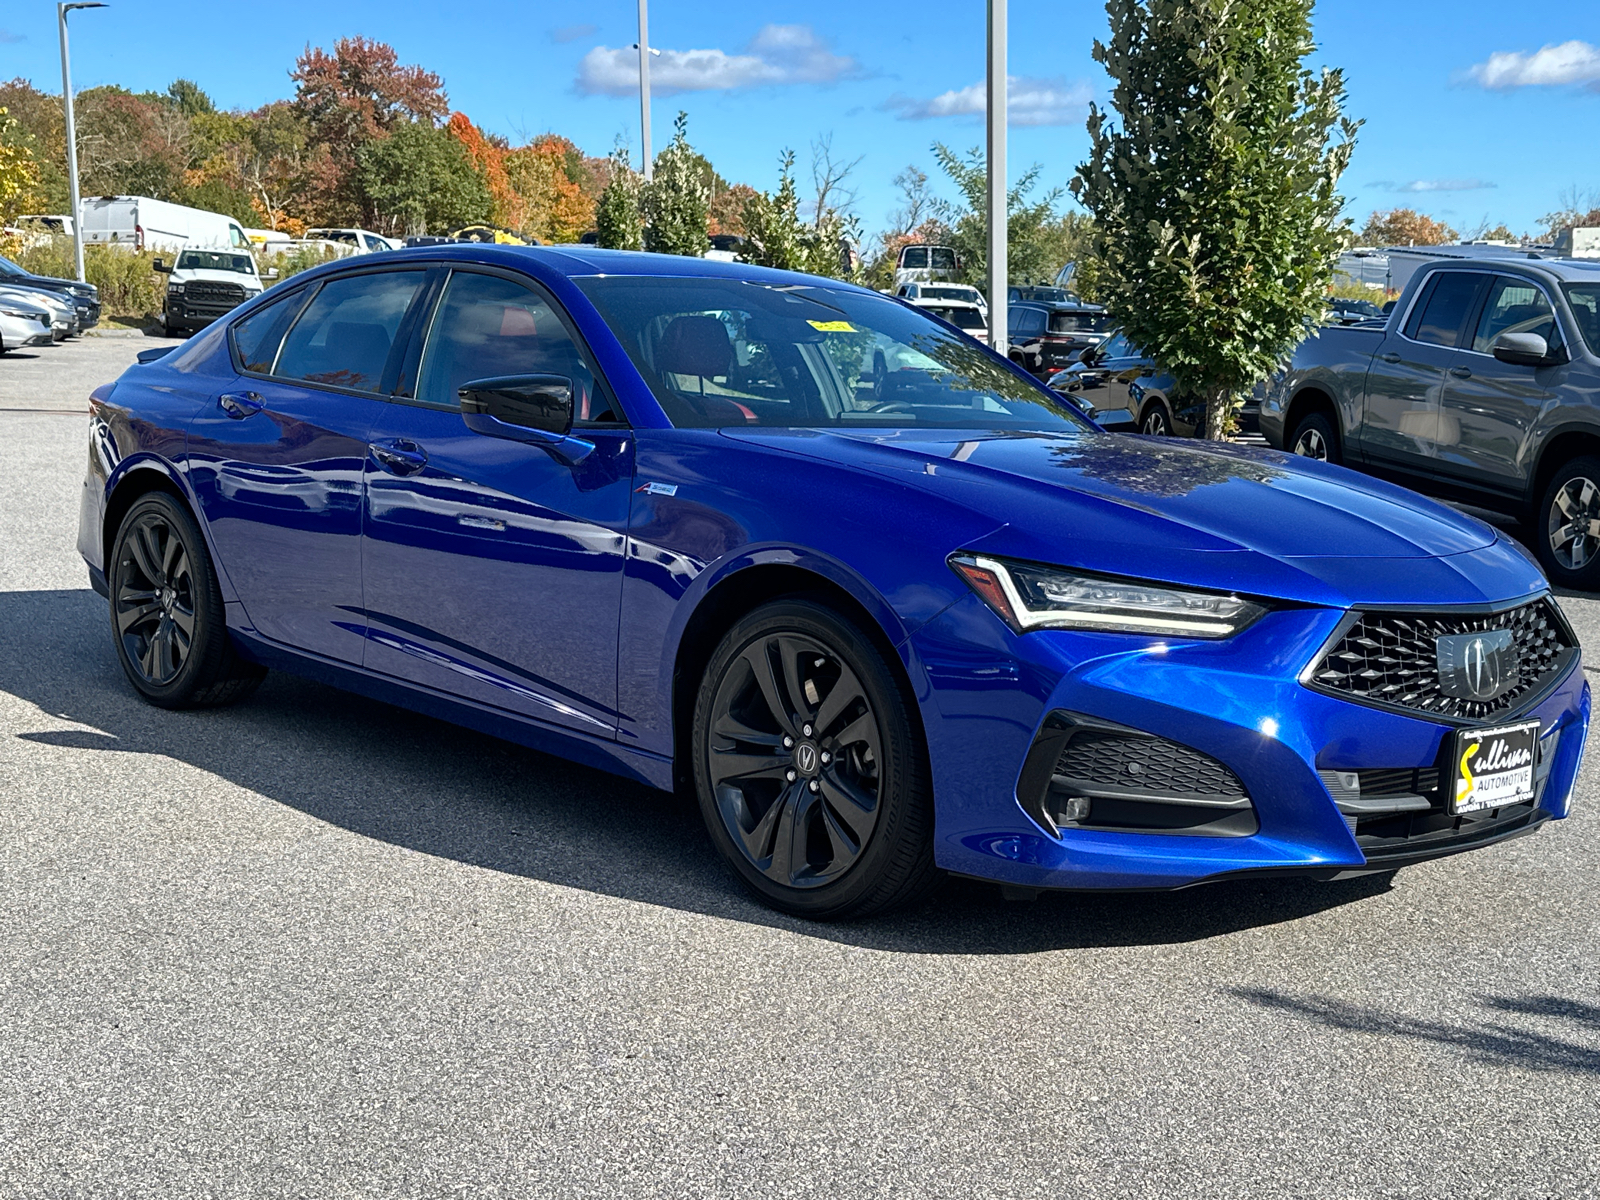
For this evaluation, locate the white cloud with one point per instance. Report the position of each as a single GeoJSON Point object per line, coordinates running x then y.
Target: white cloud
{"type": "Point", "coordinates": [1028, 102]}
{"type": "Point", "coordinates": [778, 54]}
{"type": "Point", "coordinates": [1551, 66]}
{"type": "Point", "coordinates": [1434, 185]}
{"type": "Point", "coordinates": [571, 33]}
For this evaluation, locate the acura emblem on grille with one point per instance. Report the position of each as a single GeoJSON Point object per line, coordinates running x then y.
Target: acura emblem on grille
{"type": "Point", "coordinates": [1477, 666]}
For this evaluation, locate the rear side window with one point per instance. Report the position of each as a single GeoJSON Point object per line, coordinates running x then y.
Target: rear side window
{"type": "Point", "coordinates": [489, 327]}
{"type": "Point", "coordinates": [1515, 306]}
{"type": "Point", "coordinates": [257, 337]}
{"type": "Point", "coordinates": [1439, 316]}
{"type": "Point", "coordinates": [344, 336]}
{"type": "Point", "coordinates": [1027, 320]}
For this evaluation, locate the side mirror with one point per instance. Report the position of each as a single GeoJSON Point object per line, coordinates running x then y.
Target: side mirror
{"type": "Point", "coordinates": [270, 273]}
{"type": "Point", "coordinates": [157, 265]}
{"type": "Point", "coordinates": [1522, 349]}
{"type": "Point", "coordinates": [525, 408]}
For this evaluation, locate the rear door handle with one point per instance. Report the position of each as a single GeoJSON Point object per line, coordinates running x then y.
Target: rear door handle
{"type": "Point", "coordinates": [399, 457]}
{"type": "Point", "coordinates": [240, 405]}
{"type": "Point", "coordinates": [1390, 358]}
{"type": "Point", "coordinates": [1461, 372]}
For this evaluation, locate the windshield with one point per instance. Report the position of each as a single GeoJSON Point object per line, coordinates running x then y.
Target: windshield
{"type": "Point", "coordinates": [962, 316]}
{"type": "Point", "coordinates": [1585, 301]}
{"type": "Point", "coordinates": [721, 352]}
{"type": "Point", "coordinates": [1077, 322]}
{"type": "Point", "coordinates": [1118, 346]}
{"type": "Point", "coordinates": [213, 260]}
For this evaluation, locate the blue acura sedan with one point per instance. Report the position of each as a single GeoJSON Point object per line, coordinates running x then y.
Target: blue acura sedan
{"type": "Point", "coordinates": [885, 604]}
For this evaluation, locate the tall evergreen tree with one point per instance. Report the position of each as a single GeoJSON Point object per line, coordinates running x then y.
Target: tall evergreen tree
{"type": "Point", "coordinates": [1217, 219]}
{"type": "Point", "coordinates": [617, 220]}
{"type": "Point", "coordinates": [676, 201]}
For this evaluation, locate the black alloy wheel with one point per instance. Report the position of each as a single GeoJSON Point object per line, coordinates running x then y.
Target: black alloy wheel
{"type": "Point", "coordinates": [1314, 438]}
{"type": "Point", "coordinates": [810, 777]}
{"type": "Point", "coordinates": [1155, 422]}
{"type": "Point", "coordinates": [167, 613]}
{"type": "Point", "coordinates": [1567, 531]}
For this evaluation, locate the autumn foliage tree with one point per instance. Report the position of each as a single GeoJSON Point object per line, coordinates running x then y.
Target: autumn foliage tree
{"type": "Point", "coordinates": [1404, 227]}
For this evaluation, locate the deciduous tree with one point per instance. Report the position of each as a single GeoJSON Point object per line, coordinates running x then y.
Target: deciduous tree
{"type": "Point", "coordinates": [675, 202]}
{"type": "Point", "coordinates": [619, 225]}
{"type": "Point", "coordinates": [1404, 227]}
{"type": "Point", "coordinates": [1214, 191]}
{"type": "Point", "coordinates": [420, 178]}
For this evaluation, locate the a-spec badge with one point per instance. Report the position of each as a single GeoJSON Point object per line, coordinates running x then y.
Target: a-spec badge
{"type": "Point", "coordinates": [1477, 666]}
{"type": "Point", "coordinates": [658, 489]}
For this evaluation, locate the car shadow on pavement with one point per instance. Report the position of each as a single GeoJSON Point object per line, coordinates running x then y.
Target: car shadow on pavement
{"type": "Point", "coordinates": [1490, 1040]}
{"type": "Point", "coordinates": [385, 773]}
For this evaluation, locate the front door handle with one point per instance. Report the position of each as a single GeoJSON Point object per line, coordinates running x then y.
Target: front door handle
{"type": "Point", "coordinates": [1390, 358]}
{"type": "Point", "coordinates": [1461, 372]}
{"type": "Point", "coordinates": [240, 405]}
{"type": "Point", "coordinates": [399, 457]}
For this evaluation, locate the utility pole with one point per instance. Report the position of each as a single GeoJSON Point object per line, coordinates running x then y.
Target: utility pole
{"type": "Point", "coordinates": [996, 115]}
{"type": "Point", "coordinates": [72, 137]}
{"type": "Point", "coordinates": [644, 87]}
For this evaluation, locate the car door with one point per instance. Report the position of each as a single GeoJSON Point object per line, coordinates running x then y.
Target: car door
{"type": "Point", "coordinates": [1406, 378]}
{"type": "Point", "coordinates": [277, 458]}
{"type": "Point", "coordinates": [1490, 407]}
{"type": "Point", "coordinates": [493, 568]}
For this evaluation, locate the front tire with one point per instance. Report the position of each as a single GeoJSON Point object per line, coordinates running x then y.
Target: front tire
{"type": "Point", "coordinates": [810, 772]}
{"type": "Point", "coordinates": [1154, 421]}
{"type": "Point", "coordinates": [166, 612]}
{"type": "Point", "coordinates": [1566, 528]}
{"type": "Point", "coordinates": [1314, 438]}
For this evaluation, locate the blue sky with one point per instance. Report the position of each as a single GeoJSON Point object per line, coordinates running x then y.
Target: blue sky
{"type": "Point", "coordinates": [1470, 113]}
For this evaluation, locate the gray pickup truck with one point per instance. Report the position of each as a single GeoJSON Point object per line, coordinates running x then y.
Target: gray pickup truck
{"type": "Point", "coordinates": [1483, 385]}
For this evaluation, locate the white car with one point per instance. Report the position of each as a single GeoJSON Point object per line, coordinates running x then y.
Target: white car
{"type": "Point", "coordinates": [360, 241]}
{"type": "Point", "coordinates": [922, 294]}
{"type": "Point", "coordinates": [23, 322]}
{"type": "Point", "coordinates": [969, 318]}
{"type": "Point", "coordinates": [206, 284]}
{"type": "Point", "coordinates": [63, 314]}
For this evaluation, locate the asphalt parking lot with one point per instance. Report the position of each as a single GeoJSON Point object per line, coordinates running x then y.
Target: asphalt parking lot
{"type": "Point", "coordinates": [316, 946]}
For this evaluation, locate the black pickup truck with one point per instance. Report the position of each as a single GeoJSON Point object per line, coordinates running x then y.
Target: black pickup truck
{"type": "Point", "coordinates": [1482, 385]}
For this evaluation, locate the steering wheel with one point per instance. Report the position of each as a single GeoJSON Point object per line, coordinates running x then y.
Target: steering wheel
{"type": "Point", "coordinates": [890, 406]}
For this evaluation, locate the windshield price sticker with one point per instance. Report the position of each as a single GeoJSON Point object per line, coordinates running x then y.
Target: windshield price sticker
{"type": "Point", "coordinates": [832, 326]}
{"type": "Point", "coordinates": [1494, 767]}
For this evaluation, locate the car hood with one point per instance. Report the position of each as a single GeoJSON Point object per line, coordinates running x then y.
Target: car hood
{"type": "Point", "coordinates": [1197, 513]}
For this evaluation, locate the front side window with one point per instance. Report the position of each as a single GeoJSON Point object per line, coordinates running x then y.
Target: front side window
{"type": "Point", "coordinates": [487, 327]}
{"type": "Point", "coordinates": [256, 338]}
{"type": "Point", "coordinates": [1585, 301]}
{"type": "Point", "coordinates": [344, 336]}
{"type": "Point", "coordinates": [1438, 319]}
{"type": "Point", "coordinates": [727, 352]}
{"type": "Point", "coordinates": [1118, 346]}
{"type": "Point", "coordinates": [1515, 306]}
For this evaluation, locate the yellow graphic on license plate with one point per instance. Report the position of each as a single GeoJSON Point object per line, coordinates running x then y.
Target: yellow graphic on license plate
{"type": "Point", "coordinates": [832, 326]}
{"type": "Point", "coordinates": [1464, 784]}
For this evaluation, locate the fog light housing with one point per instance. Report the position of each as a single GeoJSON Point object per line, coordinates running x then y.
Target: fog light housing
{"type": "Point", "coordinates": [1074, 810]}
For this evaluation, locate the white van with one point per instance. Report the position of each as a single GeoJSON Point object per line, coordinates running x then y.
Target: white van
{"type": "Point", "coordinates": [146, 224]}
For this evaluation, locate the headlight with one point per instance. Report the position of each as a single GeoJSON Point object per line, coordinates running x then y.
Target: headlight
{"type": "Point", "coordinates": [1028, 596]}
{"type": "Point", "coordinates": [23, 314]}
{"type": "Point", "coordinates": [174, 289]}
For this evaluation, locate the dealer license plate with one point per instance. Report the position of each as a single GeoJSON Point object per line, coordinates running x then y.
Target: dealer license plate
{"type": "Point", "coordinates": [1494, 767]}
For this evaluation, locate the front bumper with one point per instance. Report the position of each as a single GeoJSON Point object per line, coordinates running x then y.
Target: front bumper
{"type": "Point", "coordinates": [1238, 701]}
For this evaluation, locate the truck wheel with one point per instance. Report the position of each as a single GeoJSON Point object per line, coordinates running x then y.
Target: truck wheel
{"type": "Point", "coordinates": [1314, 438]}
{"type": "Point", "coordinates": [1567, 526]}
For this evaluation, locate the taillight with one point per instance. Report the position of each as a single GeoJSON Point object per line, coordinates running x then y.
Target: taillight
{"type": "Point", "coordinates": [138, 237]}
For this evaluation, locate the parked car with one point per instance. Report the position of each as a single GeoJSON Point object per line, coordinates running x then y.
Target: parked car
{"type": "Point", "coordinates": [925, 264]}
{"type": "Point", "coordinates": [84, 297]}
{"type": "Point", "coordinates": [1483, 385]}
{"type": "Point", "coordinates": [1038, 293]}
{"type": "Point", "coordinates": [1046, 337]}
{"type": "Point", "coordinates": [24, 321]}
{"type": "Point", "coordinates": [360, 241]}
{"type": "Point", "coordinates": [969, 318]}
{"type": "Point", "coordinates": [146, 224]}
{"type": "Point", "coordinates": [678, 520]}
{"type": "Point", "coordinates": [497, 234]}
{"type": "Point", "coordinates": [726, 247]}
{"type": "Point", "coordinates": [202, 285]}
{"type": "Point", "coordinates": [63, 316]}
{"type": "Point", "coordinates": [960, 293]}
{"type": "Point", "coordinates": [1116, 377]}
{"type": "Point", "coordinates": [431, 240]}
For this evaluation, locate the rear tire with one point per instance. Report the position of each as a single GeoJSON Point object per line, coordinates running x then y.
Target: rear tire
{"type": "Point", "coordinates": [838, 822]}
{"type": "Point", "coordinates": [1314, 437]}
{"type": "Point", "coordinates": [166, 607]}
{"type": "Point", "coordinates": [1566, 527]}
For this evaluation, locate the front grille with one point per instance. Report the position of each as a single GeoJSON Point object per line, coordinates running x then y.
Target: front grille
{"type": "Point", "coordinates": [1402, 781]}
{"type": "Point", "coordinates": [1144, 764]}
{"type": "Point", "coordinates": [212, 299]}
{"type": "Point", "coordinates": [1391, 658]}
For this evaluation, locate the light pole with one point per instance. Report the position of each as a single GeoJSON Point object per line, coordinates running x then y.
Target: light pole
{"type": "Point", "coordinates": [72, 135]}
{"type": "Point", "coordinates": [996, 113]}
{"type": "Point", "coordinates": [644, 86]}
